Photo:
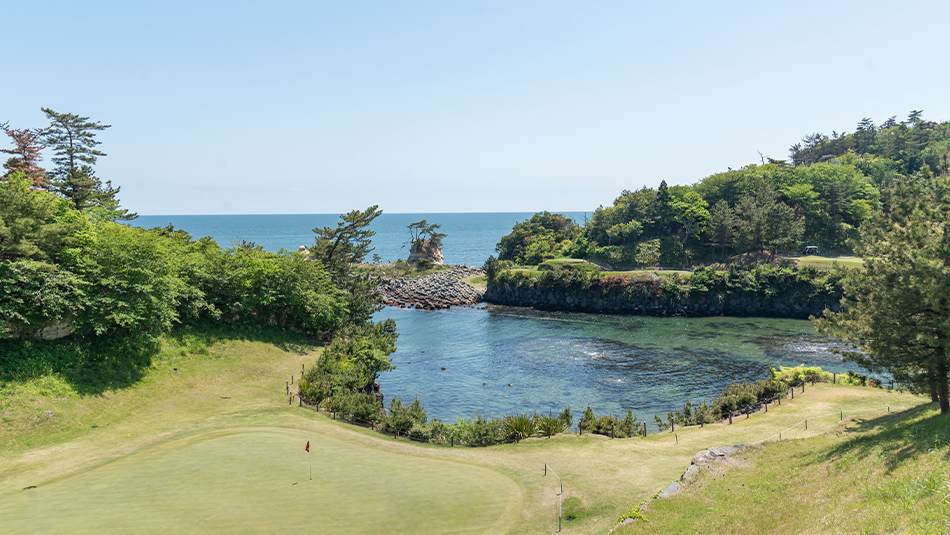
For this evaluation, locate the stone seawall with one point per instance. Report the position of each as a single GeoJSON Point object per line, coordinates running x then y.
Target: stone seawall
{"type": "Point", "coordinates": [656, 304]}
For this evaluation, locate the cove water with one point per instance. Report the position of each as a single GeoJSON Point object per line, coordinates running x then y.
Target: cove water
{"type": "Point", "coordinates": [515, 360]}
{"type": "Point", "coordinates": [550, 360]}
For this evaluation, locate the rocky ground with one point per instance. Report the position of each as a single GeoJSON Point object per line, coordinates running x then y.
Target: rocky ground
{"type": "Point", "coordinates": [437, 291]}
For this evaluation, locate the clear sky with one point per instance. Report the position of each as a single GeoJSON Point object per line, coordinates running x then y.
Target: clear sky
{"type": "Point", "coordinates": [444, 106]}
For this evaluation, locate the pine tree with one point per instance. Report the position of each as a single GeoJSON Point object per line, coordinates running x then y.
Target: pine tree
{"type": "Point", "coordinates": [896, 308]}
{"type": "Point", "coordinates": [73, 140]}
{"type": "Point", "coordinates": [26, 154]}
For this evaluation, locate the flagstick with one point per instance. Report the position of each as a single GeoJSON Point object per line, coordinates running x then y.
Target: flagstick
{"type": "Point", "coordinates": [311, 465]}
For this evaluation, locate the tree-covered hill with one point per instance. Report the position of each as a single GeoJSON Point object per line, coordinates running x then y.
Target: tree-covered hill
{"type": "Point", "coordinates": [830, 186]}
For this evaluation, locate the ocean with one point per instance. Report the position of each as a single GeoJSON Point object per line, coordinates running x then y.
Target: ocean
{"type": "Point", "coordinates": [470, 237]}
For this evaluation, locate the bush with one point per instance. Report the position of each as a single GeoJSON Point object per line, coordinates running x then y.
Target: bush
{"type": "Point", "coordinates": [608, 425]}
{"type": "Point", "coordinates": [519, 426]}
{"type": "Point", "coordinates": [478, 430]}
{"type": "Point", "coordinates": [403, 419]}
{"type": "Point", "coordinates": [799, 374]}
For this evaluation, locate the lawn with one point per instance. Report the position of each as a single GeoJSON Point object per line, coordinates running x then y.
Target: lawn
{"type": "Point", "coordinates": [258, 480]}
{"type": "Point", "coordinates": [884, 474]}
{"type": "Point", "coordinates": [826, 262]}
{"type": "Point", "coordinates": [216, 446]}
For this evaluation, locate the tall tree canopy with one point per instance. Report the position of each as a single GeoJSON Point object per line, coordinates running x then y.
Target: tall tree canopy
{"type": "Point", "coordinates": [73, 140]}
{"type": "Point", "coordinates": [897, 309]}
{"type": "Point", "coordinates": [339, 248]}
{"type": "Point", "coordinates": [421, 231]}
{"type": "Point", "coordinates": [26, 154]}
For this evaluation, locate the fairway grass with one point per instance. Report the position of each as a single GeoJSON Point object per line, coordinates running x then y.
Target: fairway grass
{"type": "Point", "coordinates": [257, 480]}
{"type": "Point", "coordinates": [215, 447]}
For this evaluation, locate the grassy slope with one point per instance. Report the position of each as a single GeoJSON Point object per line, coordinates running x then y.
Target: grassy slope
{"type": "Point", "coordinates": [152, 426]}
{"type": "Point", "coordinates": [885, 474]}
{"type": "Point", "coordinates": [826, 262]}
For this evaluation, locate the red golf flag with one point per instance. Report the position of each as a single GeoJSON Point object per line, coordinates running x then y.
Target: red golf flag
{"type": "Point", "coordinates": [308, 447]}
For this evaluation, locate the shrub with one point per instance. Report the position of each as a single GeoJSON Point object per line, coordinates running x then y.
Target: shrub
{"type": "Point", "coordinates": [608, 425]}
{"type": "Point", "coordinates": [550, 425]}
{"type": "Point", "coordinates": [403, 418]}
{"type": "Point", "coordinates": [519, 426]}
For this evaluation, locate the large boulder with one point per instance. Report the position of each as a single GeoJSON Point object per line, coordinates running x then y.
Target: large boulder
{"type": "Point", "coordinates": [425, 249]}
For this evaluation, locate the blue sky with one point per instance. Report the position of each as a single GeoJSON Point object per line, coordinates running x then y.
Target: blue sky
{"type": "Point", "coordinates": [324, 107]}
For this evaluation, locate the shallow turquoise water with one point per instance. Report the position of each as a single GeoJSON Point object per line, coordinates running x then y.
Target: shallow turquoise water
{"type": "Point", "coordinates": [613, 363]}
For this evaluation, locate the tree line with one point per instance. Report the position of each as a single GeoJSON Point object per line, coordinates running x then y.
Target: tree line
{"type": "Point", "coordinates": [67, 258]}
{"type": "Point", "coordinates": [830, 186]}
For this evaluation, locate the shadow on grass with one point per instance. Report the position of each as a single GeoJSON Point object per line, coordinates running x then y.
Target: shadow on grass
{"type": "Point", "coordinates": [94, 365]}
{"type": "Point", "coordinates": [898, 437]}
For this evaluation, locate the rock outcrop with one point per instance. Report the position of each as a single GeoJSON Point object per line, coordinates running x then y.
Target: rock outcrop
{"type": "Point", "coordinates": [425, 250]}
{"type": "Point", "coordinates": [437, 291]}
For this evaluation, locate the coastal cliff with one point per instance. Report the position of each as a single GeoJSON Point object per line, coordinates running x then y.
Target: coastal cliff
{"type": "Point", "coordinates": [773, 293]}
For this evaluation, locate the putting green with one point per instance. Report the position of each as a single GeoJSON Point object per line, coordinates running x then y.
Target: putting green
{"type": "Point", "coordinates": [257, 480]}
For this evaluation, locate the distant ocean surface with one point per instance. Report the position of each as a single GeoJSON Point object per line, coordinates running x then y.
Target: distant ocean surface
{"type": "Point", "coordinates": [470, 237]}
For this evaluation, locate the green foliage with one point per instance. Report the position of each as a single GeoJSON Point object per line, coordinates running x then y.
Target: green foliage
{"type": "Point", "coordinates": [608, 425]}
{"type": "Point", "coordinates": [542, 237]}
{"type": "Point", "coordinates": [492, 269]}
{"type": "Point", "coordinates": [799, 374]}
{"type": "Point", "coordinates": [403, 418]}
{"type": "Point", "coordinates": [34, 295]}
{"type": "Point", "coordinates": [349, 243]}
{"type": "Point", "coordinates": [519, 426]}
{"type": "Point", "coordinates": [33, 224]}
{"type": "Point", "coordinates": [73, 141]}
{"type": "Point", "coordinates": [133, 280]}
{"type": "Point", "coordinates": [479, 430]}
{"type": "Point", "coordinates": [548, 425]}
{"type": "Point", "coordinates": [350, 363]}
{"type": "Point", "coordinates": [422, 231]}
{"type": "Point", "coordinates": [358, 406]}
{"type": "Point", "coordinates": [739, 396]}
{"type": "Point", "coordinates": [896, 308]}
{"type": "Point", "coordinates": [340, 249]}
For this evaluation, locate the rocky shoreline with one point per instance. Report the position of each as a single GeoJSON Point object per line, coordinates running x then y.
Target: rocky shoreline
{"type": "Point", "coordinates": [656, 304]}
{"type": "Point", "coordinates": [433, 292]}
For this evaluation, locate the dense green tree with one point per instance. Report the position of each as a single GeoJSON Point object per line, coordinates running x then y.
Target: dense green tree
{"type": "Point", "coordinates": [545, 231]}
{"type": "Point", "coordinates": [33, 224]}
{"type": "Point", "coordinates": [896, 309]}
{"type": "Point", "coordinates": [722, 226]}
{"type": "Point", "coordinates": [73, 140]}
{"type": "Point", "coordinates": [765, 222]}
{"type": "Point", "coordinates": [688, 213]}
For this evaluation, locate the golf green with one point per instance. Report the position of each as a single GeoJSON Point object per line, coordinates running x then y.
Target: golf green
{"type": "Point", "coordinates": [258, 480]}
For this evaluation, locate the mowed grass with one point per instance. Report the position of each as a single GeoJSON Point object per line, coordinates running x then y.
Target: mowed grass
{"type": "Point", "coordinates": [209, 441]}
{"type": "Point", "coordinates": [826, 262]}
{"type": "Point", "coordinates": [884, 474]}
{"type": "Point", "coordinates": [258, 480]}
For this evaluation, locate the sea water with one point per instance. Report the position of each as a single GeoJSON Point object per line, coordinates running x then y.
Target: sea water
{"type": "Point", "coordinates": [470, 237]}
{"type": "Point", "coordinates": [514, 360]}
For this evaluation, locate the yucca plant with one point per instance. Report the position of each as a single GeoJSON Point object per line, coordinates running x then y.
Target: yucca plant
{"type": "Point", "coordinates": [519, 426]}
